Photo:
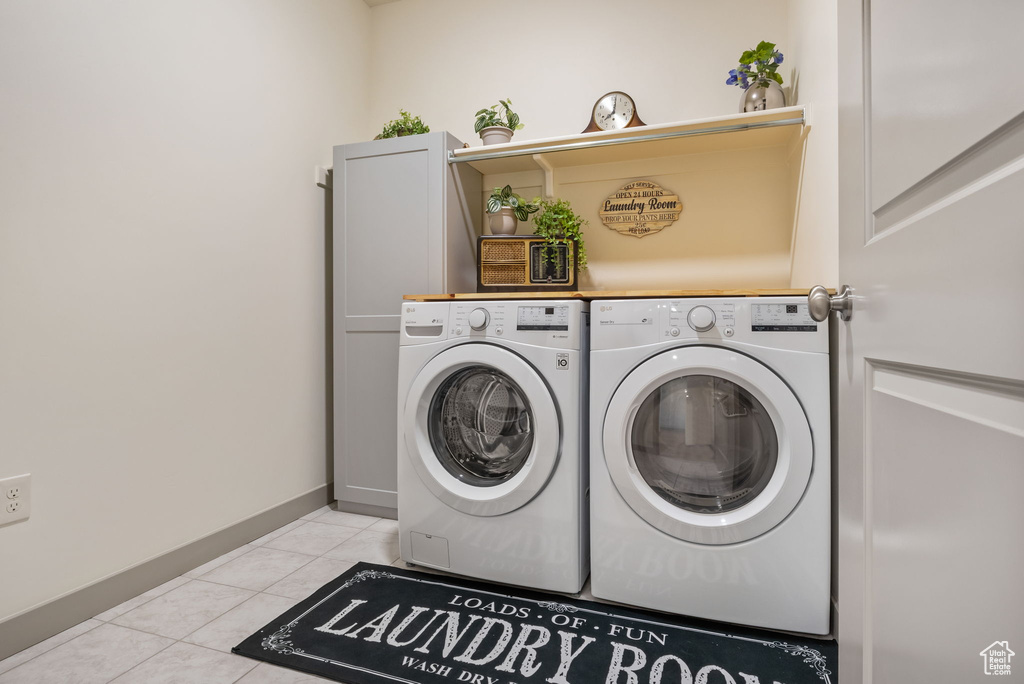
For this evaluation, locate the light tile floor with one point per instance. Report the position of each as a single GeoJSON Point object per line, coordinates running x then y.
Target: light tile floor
{"type": "Point", "coordinates": [183, 630]}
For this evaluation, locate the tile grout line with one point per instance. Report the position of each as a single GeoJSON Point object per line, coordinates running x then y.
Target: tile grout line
{"type": "Point", "coordinates": [56, 646]}
{"type": "Point", "coordinates": [140, 663]}
{"type": "Point", "coordinates": [186, 643]}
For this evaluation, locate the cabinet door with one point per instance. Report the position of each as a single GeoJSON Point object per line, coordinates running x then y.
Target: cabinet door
{"type": "Point", "coordinates": [366, 448]}
{"type": "Point", "coordinates": [388, 241]}
{"type": "Point", "coordinates": [391, 216]}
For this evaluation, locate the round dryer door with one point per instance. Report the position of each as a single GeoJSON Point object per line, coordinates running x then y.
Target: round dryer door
{"type": "Point", "coordinates": [482, 429]}
{"type": "Point", "coordinates": [708, 445]}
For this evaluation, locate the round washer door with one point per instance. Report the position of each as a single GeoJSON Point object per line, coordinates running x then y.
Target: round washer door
{"type": "Point", "coordinates": [707, 445]}
{"type": "Point", "coordinates": [482, 429]}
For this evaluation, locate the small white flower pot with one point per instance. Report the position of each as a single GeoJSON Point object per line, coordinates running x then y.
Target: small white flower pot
{"type": "Point", "coordinates": [503, 222]}
{"type": "Point", "coordinates": [492, 135]}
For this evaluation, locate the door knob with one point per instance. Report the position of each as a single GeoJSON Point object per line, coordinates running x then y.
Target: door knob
{"type": "Point", "coordinates": [820, 303]}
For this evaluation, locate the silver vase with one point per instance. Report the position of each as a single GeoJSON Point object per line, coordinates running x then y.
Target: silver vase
{"type": "Point", "coordinates": [758, 97]}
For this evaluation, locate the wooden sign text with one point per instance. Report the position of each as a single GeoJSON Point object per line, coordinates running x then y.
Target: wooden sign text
{"type": "Point", "coordinates": [640, 208]}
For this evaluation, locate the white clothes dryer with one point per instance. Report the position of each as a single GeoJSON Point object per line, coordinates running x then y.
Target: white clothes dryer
{"type": "Point", "coordinates": [492, 474]}
{"type": "Point", "coordinates": [710, 459]}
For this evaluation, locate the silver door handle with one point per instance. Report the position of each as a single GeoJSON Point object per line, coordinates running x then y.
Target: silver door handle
{"type": "Point", "coordinates": [821, 304]}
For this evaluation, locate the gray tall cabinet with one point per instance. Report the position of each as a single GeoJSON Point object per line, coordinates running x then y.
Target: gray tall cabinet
{"type": "Point", "coordinates": [405, 222]}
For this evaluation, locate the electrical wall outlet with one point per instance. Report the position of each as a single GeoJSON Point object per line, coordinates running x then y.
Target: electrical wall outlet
{"type": "Point", "coordinates": [15, 498]}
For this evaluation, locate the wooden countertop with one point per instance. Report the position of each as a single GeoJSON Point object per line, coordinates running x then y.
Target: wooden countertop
{"type": "Point", "coordinates": [606, 294]}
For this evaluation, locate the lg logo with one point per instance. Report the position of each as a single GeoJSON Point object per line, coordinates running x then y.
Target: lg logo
{"type": "Point", "coordinates": [561, 362]}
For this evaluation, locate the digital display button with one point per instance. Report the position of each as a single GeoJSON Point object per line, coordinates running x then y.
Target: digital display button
{"type": "Point", "coordinates": [781, 318]}
{"type": "Point", "coordinates": [543, 318]}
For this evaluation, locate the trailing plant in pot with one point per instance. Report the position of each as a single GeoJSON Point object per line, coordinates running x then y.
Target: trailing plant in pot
{"type": "Point", "coordinates": [496, 126]}
{"type": "Point", "coordinates": [407, 124]}
{"type": "Point", "coordinates": [758, 75]}
{"type": "Point", "coordinates": [505, 209]}
{"type": "Point", "coordinates": [559, 224]}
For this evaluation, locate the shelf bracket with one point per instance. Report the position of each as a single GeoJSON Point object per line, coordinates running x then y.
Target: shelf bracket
{"type": "Point", "coordinates": [549, 176]}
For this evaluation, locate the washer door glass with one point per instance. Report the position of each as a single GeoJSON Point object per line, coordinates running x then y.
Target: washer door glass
{"type": "Point", "coordinates": [704, 444]}
{"type": "Point", "coordinates": [482, 430]}
{"type": "Point", "coordinates": [480, 426]}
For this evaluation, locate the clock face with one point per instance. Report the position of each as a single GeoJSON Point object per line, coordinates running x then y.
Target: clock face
{"type": "Point", "coordinates": [613, 111]}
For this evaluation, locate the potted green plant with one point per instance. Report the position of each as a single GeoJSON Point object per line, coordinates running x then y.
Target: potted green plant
{"type": "Point", "coordinates": [496, 126]}
{"type": "Point", "coordinates": [758, 76]}
{"type": "Point", "coordinates": [505, 209]}
{"type": "Point", "coordinates": [560, 225]}
{"type": "Point", "coordinates": [407, 124]}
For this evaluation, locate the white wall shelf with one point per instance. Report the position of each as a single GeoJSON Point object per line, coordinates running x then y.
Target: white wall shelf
{"type": "Point", "coordinates": [775, 127]}
{"type": "Point", "coordinates": [739, 177]}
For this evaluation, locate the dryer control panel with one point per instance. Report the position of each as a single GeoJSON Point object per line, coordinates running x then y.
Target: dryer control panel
{"type": "Point", "coordinates": [705, 316]}
{"type": "Point", "coordinates": [782, 320]}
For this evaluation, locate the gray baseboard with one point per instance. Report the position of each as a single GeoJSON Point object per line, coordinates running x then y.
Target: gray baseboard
{"type": "Point", "coordinates": [366, 509]}
{"type": "Point", "coordinates": [33, 626]}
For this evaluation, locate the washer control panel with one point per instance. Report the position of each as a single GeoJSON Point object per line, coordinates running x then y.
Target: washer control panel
{"type": "Point", "coordinates": [479, 318]}
{"type": "Point", "coordinates": [555, 324]}
{"type": "Point", "coordinates": [701, 318]}
{"type": "Point", "coordinates": [475, 318]}
{"type": "Point", "coordinates": [781, 318]}
{"type": "Point", "coordinates": [543, 318]}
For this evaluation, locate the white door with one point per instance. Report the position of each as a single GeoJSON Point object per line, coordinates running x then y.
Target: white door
{"type": "Point", "coordinates": [931, 365]}
{"type": "Point", "coordinates": [482, 429]}
{"type": "Point", "coordinates": [707, 445]}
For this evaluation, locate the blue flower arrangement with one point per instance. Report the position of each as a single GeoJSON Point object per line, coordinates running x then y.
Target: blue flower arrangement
{"type": "Point", "coordinates": [757, 66]}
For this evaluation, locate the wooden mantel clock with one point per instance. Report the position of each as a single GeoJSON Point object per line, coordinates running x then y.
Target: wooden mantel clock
{"type": "Point", "coordinates": [613, 111]}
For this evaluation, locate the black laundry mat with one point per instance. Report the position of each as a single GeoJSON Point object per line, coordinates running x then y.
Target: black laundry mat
{"type": "Point", "coordinates": [378, 624]}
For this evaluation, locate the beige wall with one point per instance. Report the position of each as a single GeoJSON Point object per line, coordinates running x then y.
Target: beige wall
{"type": "Point", "coordinates": [749, 220]}
{"type": "Point", "coordinates": [813, 34]}
{"type": "Point", "coordinates": [445, 59]}
{"type": "Point", "coordinates": [162, 269]}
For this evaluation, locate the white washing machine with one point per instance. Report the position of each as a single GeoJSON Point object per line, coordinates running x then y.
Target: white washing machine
{"type": "Point", "coordinates": [710, 458]}
{"type": "Point", "coordinates": [492, 470]}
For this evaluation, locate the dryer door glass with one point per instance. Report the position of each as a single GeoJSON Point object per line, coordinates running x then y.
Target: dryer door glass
{"type": "Point", "coordinates": [480, 426]}
{"type": "Point", "coordinates": [704, 444]}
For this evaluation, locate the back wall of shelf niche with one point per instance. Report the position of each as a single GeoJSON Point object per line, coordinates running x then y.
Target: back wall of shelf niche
{"type": "Point", "coordinates": [736, 229]}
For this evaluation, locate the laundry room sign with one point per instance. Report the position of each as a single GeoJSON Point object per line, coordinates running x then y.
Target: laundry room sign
{"type": "Point", "coordinates": [640, 208]}
{"type": "Point", "coordinates": [381, 625]}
